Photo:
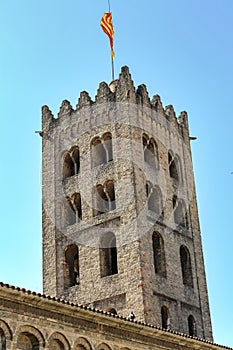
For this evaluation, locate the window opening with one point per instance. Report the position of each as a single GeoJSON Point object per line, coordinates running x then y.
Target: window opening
{"type": "Point", "coordinates": [172, 167]}
{"type": "Point", "coordinates": [186, 266]}
{"type": "Point", "coordinates": [108, 255]}
{"type": "Point", "coordinates": [72, 266]}
{"type": "Point", "coordinates": [192, 326]}
{"type": "Point", "coordinates": [159, 254]}
{"type": "Point", "coordinates": [165, 317]}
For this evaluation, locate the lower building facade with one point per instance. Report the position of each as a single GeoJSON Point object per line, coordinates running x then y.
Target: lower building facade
{"type": "Point", "coordinates": [32, 321]}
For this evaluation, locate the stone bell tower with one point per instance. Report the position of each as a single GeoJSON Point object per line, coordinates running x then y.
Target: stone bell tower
{"type": "Point", "coordinates": [120, 219]}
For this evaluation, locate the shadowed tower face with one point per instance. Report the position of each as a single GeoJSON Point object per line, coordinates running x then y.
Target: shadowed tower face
{"type": "Point", "coordinates": [120, 219]}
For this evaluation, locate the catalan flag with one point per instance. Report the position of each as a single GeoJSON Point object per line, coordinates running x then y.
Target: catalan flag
{"type": "Point", "coordinates": [107, 26]}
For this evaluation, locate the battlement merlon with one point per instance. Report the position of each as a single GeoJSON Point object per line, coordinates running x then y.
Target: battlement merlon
{"type": "Point", "coordinates": [119, 90]}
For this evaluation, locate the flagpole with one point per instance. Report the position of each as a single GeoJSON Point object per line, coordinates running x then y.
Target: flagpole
{"type": "Point", "coordinates": [112, 68]}
{"type": "Point", "coordinates": [109, 9]}
{"type": "Point", "coordinates": [107, 26]}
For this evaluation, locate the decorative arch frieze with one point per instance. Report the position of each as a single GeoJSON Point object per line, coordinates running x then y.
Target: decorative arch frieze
{"type": "Point", "coordinates": [82, 344]}
{"type": "Point", "coordinates": [61, 339]}
{"type": "Point", "coordinates": [32, 333]}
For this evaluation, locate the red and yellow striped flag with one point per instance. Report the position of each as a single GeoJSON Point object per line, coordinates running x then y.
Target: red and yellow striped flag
{"type": "Point", "coordinates": [107, 26]}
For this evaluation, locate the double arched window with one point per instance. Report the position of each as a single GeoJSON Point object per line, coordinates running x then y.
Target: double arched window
{"type": "Point", "coordinates": [186, 266]}
{"type": "Point", "coordinates": [108, 255]}
{"type": "Point", "coordinates": [159, 254]}
{"type": "Point", "coordinates": [104, 198]}
{"type": "Point", "coordinates": [71, 273]}
{"type": "Point", "coordinates": [150, 151]}
{"type": "Point", "coordinates": [71, 164]}
{"type": "Point", "coordinates": [73, 209]}
{"type": "Point", "coordinates": [101, 150]}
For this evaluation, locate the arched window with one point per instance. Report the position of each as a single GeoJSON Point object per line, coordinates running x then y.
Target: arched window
{"type": "Point", "coordinates": [27, 341]}
{"type": "Point", "coordinates": [71, 165]}
{"type": "Point", "coordinates": [186, 267]}
{"type": "Point", "coordinates": [165, 317]}
{"type": "Point", "coordinates": [101, 150]}
{"type": "Point", "coordinates": [68, 166]}
{"type": "Point", "coordinates": [71, 273]}
{"type": "Point", "coordinates": [159, 254]}
{"type": "Point", "coordinates": [150, 150]}
{"type": "Point", "coordinates": [76, 159]}
{"type": "Point", "coordinates": [173, 169]}
{"type": "Point", "coordinates": [110, 192]}
{"type": "Point", "coordinates": [70, 216]}
{"type": "Point", "coordinates": [108, 255]}
{"type": "Point", "coordinates": [101, 201]}
{"type": "Point", "coordinates": [107, 138]}
{"type": "Point", "coordinates": [57, 341]}
{"type": "Point", "coordinates": [104, 198]}
{"type": "Point", "coordinates": [180, 213]}
{"type": "Point", "coordinates": [77, 205]}
{"type": "Point", "coordinates": [154, 198]}
{"type": "Point", "coordinates": [98, 154]}
{"type": "Point", "coordinates": [73, 209]}
{"type": "Point", "coordinates": [192, 326]}
{"type": "Point", "coordinates": [2, 340]}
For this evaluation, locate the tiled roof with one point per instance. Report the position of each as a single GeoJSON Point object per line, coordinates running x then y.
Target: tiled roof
{"type": "Point", "coordinates": [85, 307]}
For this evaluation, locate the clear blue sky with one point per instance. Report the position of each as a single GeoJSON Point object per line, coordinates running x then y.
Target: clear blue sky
{"type": "Point", "coordinates": [182, 50]}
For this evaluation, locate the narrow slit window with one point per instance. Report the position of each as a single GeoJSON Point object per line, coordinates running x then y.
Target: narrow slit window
{"type": "Point", "coordinates": [71, 275]}
{"type": "Point", "coordinates": [192, 326]}
{"type": "Point", "coordinates": [186, 266]}
{"type": "Point", "coordinates": [165, 319]}
{"type": "Point", "coordinates": [108, 255]}
{"type": "Point", "coordinates": [159, 254]}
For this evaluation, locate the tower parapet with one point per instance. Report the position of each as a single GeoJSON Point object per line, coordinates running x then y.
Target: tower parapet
{"type": "Point", "coordinates": [119, 91]}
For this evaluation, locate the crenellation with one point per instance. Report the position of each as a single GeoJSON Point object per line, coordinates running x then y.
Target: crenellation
{"type": "Point", "coordinates": [65, 109]}
{"type": "Point", "coordinates": [157, 104]}
{"type": "Point", "coordinates": [183, 119]}
{"type": "Point", "coordinates": [170, 112]}
{"type": "Point", "coordinates": [84, 100]}
{"type": "Point", "coordinates": [120, 90]}
{"type": "Point", "coordinates": [142, 96]}
{"type": "Point", "coordinates": [47, 118]}
{"type": "Point", "coordinates": [104, 93]}
{"type": "Point", "coordinates": [125, 90]}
